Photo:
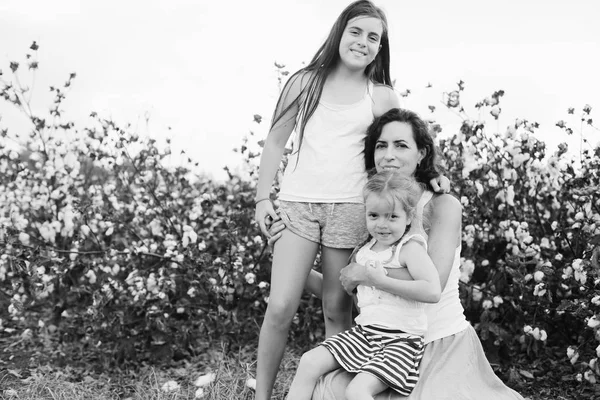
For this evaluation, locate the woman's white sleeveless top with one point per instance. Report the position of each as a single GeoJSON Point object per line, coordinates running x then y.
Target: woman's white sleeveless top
{"type": "Point", "coordinates": [446, 317]}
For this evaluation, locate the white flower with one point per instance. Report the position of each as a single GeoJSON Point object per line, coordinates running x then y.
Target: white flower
{"type": "Point", "coordinates": [539, 290]}
{"type": "Point", "coordinates": [91, 275]}
{"type": "Point", "coordinates": [596, 300]}
{"type": "Point", "coordinates": [527, 329]}
{"type": "Point", "coordinates": [572, 354]}
{"type": "Point", "coordinates": [536, 334]}
{"type": "Point", "coordinates": [554, 225]}
{"type": "Point", "coordinates": [497, 301]}
{"type": "Point", "coordinates": [598, 350]}
{"type": "Point", "coordinates": [593, 322]}
{"type": "Point", "coordinates": [487, 304]}
{"type": "Point", "coordinates": [264, 284]}
{"type": "Point", "coordinates": [24, 238]}
{"type": "Point", "coordinates": [538, 276]}
{"type": "Point", "coordinates": [109, 232]}
{"type": "Point", "coordinates": [590, 377]}
{"type": "Point", "coordinates": [250, 278]}
{"type": "Point", "coordinates": [510, 196]}
{"type": "Point", "coordinates": [581, 276]}
{"type": "Point", "coordinates": [199, 393]}
{"type": "Point", "coordinates": [170, 386]}
{"type": "Point", "coordinates": [479, 188]}
{"type": "Point", "coordinates": [201, 246]}
{"type": "Point", "coordinates": [251, 383]}
{"type": "Point", "coordinates": [204, 380]}
{"type": "Point", "coordinates": [567, 273]}
{"type": "Point", "coordinates": [543, 335]}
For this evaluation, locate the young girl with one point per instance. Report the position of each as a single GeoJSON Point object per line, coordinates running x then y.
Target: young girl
{"type": "Point", "coordinates": [329, 104]}
{"type": "Point", "coordinates": [386, 345]}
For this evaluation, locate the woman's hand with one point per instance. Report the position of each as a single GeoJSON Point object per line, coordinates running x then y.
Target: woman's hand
{"type": "Point", "coordinates": [265, 215]}
{"type": "Point", "coordinates": [441, 184]}
{"type": "Point", "coordinates": [352, 275]}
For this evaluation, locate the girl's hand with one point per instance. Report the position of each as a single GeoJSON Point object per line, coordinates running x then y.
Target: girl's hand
{"type": "Point", "coordinates": [352, 275]}
{"type": "Point", "coordinates": [275, 230]}
{"type": "Point", "coordinates": [265, 215]}
{"type": "Point", "coordinates": [441, 184]}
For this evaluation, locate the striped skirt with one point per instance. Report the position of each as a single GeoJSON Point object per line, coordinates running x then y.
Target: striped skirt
{"type": "Point", "coordinates": [390, 355]}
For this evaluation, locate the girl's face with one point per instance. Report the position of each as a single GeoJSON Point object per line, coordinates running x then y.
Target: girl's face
{"type": "Point", "coordinates": [360, 41]}
{"type": "Point", "coordinates": [396, 149]}
{"type": "Point", "coordinates": [386, 225]}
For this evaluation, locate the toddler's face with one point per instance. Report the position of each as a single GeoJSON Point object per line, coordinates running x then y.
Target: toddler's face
{"type": "Point", "coordinates": [386, 222]}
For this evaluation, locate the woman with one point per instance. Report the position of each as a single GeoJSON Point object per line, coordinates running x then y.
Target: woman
{"type": "Point", "coordinates": [454, 365]}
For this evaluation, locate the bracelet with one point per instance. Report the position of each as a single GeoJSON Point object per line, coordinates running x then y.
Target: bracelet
{"type": "Point", "coordinates": [259, 200]}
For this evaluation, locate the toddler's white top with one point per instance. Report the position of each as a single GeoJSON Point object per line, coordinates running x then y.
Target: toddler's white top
{"type": "Point", "coordinates": [384, 309]}
{"type": "Point", "coordinates": [330, 167]}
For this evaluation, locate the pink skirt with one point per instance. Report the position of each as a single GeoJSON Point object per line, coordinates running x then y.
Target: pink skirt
{"type": "Point", "coordinates": [452, 368]}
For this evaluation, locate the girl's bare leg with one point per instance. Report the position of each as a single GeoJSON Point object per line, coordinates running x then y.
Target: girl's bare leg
{"type": "Point", "coordinates": [314, 284]}
{"type": "Point", "coordinates": [337, 305]}
{"type": "Point", "coordinates": [313, 364]}
{"type": "Point", "coordinates": [293, 258]}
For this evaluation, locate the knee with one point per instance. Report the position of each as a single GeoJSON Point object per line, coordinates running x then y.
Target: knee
{"type": "Point", "coordinates": [279, 313]}
{"type": "Point", "coordinates": [308, 365]}
{"type": "Point", "coordinates": [337, 307]}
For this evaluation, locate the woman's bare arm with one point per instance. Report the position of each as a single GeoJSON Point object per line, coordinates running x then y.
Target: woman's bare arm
{"type": "Point", "coordinates": [444, 233]}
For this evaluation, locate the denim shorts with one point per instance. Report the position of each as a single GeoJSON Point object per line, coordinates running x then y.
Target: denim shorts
{"type": "Point", "coordinates": [335, 225]}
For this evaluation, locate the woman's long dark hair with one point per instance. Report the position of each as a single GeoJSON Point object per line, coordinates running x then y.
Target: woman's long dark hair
{"type": "Point", "coordinates": [325, 60]}
{"type": "Point", "coordinates": [428, 168]}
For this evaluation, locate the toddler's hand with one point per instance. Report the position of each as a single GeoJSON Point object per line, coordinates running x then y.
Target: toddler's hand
{"type": "Point", "coordinates": [376, 271]}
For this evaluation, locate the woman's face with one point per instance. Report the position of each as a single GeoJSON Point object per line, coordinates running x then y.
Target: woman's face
{"type": "Point", "coordinates": [396, 149]}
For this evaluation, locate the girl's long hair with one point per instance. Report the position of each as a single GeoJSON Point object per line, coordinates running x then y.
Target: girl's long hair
{"type": "Point", "coordinates": [325, 60]}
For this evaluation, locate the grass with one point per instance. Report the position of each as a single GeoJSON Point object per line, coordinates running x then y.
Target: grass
{"type": "Point", "coordinates": [41, 382]}
{"type": "Point", "coordinates": [231, 373]}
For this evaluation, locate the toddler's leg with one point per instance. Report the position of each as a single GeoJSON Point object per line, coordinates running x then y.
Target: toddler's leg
{"type": "Point", "coordinates": [364, 386]}
{"type": "Point", "coordinates": [313, 365]}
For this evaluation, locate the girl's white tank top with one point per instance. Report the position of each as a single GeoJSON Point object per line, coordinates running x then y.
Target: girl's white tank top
{"type": "Point", "coordinates": [330, 167]}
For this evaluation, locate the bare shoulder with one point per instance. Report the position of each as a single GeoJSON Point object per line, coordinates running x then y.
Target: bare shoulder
{"type": "Point", "coordinates": [412, 248]}
{"type": "Point", "coordinates": [384, 99]}
{"type": "Point", "coordinates": [444, 208]}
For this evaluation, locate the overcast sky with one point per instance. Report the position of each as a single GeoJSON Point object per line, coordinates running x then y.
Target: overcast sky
{"type": "Point", "coordinates": [204, 68]}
